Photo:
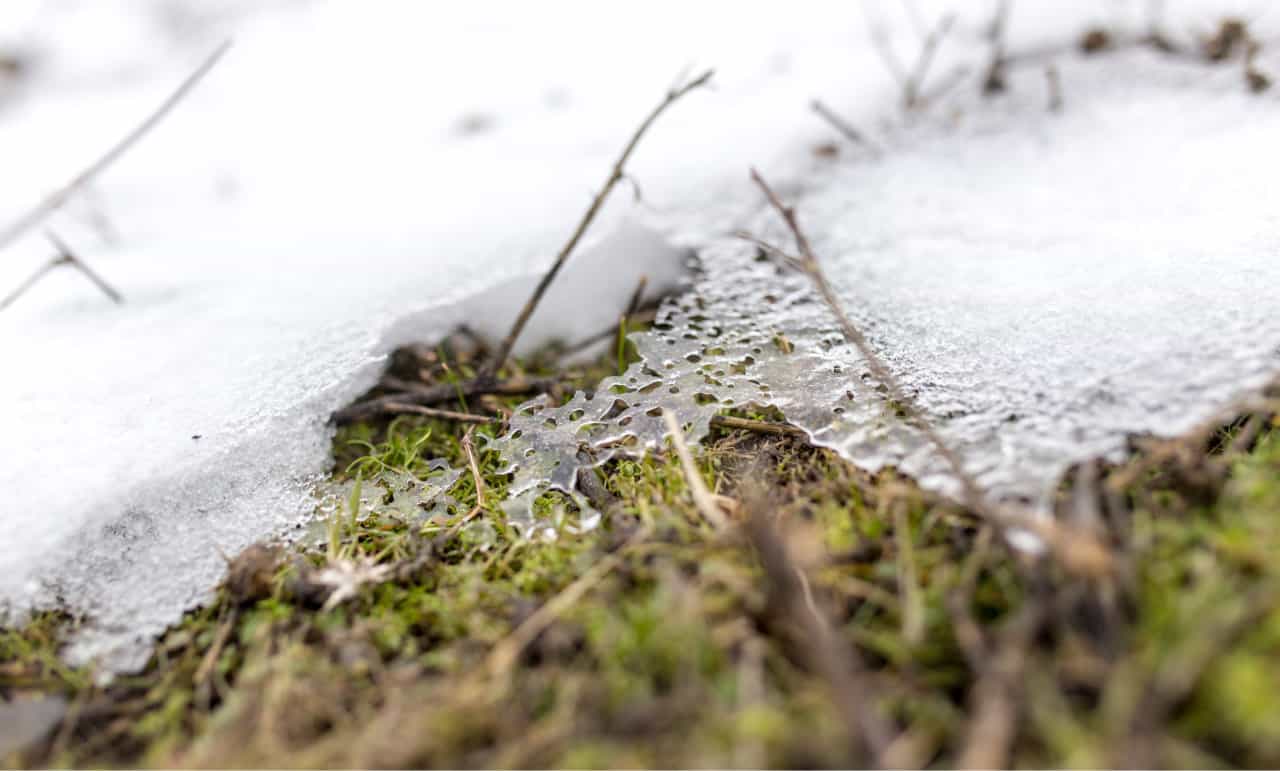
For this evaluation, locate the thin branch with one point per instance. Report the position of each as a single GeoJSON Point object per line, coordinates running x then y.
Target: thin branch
{"type": "Point", "coordinates": [15, 229]}
{"type": "Point", "coordinates": [400, 408]}
{"type": "Point", "coordinates": [843, 126]}
{"type": "Point", "coordinates": [64, 257]}
{"type": "Point", "coordinates": [1079, 552]}
{"type": "Point", "coordinates": [31, 281]}
{"type": "Point", "coordinates": [67, 256]}
{"type": "Point", "coordinates": [617, 174]}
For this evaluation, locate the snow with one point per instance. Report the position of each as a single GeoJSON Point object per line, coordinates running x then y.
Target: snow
{"type": "Point", "coordinates": [348, 180]}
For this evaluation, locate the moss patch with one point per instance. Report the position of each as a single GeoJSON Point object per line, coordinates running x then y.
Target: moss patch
{"type": "Point", "coordinates": [659, 641]}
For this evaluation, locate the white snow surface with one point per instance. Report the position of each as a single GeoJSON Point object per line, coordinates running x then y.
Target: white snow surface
{"type": "Point", "coordinates": [356, 175]}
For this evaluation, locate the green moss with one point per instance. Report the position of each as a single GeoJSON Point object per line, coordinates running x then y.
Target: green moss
{"type": "Point", "coordinates": [677, 655]}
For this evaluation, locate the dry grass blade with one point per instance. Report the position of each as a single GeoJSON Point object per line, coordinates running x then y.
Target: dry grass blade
{"type": "Point", "coordinates": [1078, 552]}
{"type": "Point", "coordinates": [709, 504]}
{"type": "Point", "coordinates": [616, 175]}
{"type": "Point", "coordinates": [468, 447]}
{"type": "Point", "coordinates": [18, 227]}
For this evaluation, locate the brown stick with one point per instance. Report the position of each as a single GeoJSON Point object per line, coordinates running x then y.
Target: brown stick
{"type": "Point", "coordinates": [13, 230]}
{"type": "Point", "coordinates": [1079, 552]}
{"type": "Point", "coordinates": [615, 175]}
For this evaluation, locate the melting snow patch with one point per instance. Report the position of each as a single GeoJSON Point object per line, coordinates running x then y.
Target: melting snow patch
{"type": "Point", "coordinates": [1043, 285]}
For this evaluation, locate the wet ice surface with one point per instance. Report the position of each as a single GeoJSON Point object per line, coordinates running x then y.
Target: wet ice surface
{"type": "Point", "coordinates": [1043, 285]}
{"type": "Point", "coordinates": [349, 181]}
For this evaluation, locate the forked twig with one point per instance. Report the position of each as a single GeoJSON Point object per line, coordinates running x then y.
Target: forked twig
{"type": "Point", "coordinates": [1079, 552]}
{"type": "Point", "coordinates": [616, 175]}
{"type": "Point", "coordinates": [912, 82]}
{"type": "Point", "coordinates": [18, 227]}
{"type": "Point", "coordinates": [65, 256]}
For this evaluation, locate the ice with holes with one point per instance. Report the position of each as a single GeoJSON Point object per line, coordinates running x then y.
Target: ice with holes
{"type": "Point", "coordinates": [1042, 293]}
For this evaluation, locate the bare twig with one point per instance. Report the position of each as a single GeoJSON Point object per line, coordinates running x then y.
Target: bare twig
{"type": "Point", "coordinates": [617, 174]}
{"type": "Point", "coordinates": [912, 82]}
{"type": "Point", "coordinates": [1079, 552]}
{"type": "Point", "coordinates": [68, 258]}
{"type": "Point", "coordinates": [18, 227]}
{"type": "Point", "coordinates": [400, 408]}
{"type": "Point", "coordinates": [709, 505]}
{"type": "Point", "coordinates": [843, 126]}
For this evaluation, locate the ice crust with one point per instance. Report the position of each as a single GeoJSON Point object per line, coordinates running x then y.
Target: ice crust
{"type": "Point", "coordinates": [349, 180]}
{"type": "Point", "coordinates": [1043, 285]}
